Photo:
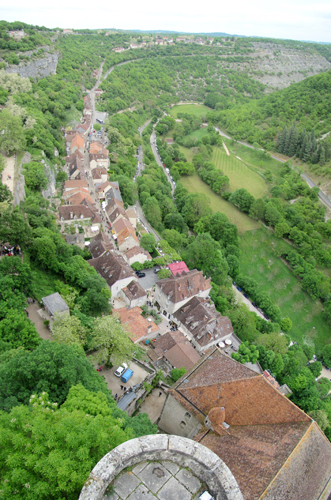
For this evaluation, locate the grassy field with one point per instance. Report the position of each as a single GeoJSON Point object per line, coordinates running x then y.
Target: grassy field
{"type": "Point", "coordinates": [259, 260]}
{"type": "Point", "coordinates": [191, 109]}
{"type": "Point", "coordinates": [253, 157]}
{"type": "Point", "coordinates": [239, 174]}
{"type": "Point", "coordinates": [187, 152]}
{"type": "Point", "coordinates": [194, 184]}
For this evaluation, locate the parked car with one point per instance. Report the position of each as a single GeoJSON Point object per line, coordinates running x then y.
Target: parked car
{"type": "Point", "coordinates": [126, 375]}
{"type": "Point", "coordinates": [140, 274]}
{"type": "Point", "coordinates": [120, 370]}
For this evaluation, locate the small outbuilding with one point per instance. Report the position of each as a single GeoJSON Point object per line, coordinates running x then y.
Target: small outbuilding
{"type": "Point", "coordinates": [55, 304]}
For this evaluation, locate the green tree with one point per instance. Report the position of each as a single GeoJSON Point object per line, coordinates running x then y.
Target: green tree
{"type": "Point", "coordinates": [243, 199]}
{"type": "Point", "coordinates": [164, 273]}
{"type": "Point", "coordinates": [176, 373]}
{"type": "Point", "coordinates": [147, 241]}
{"type": "Point", "coordinates": [57, 447]}
{"type": "Point", "coordinates": [246, 353]}
{"type": "Point", "coordinates": [195, 207]}
{"type": "Point", "coordinates": [68, 330]}
{"type": "Point", "coordinates": [111, 340]}
{"type": "Point", "coordinates": [12, 137]}
{"type": "Point", "coordinates": [153, 212]}
{"type": "Point", "coordinates": [35, 176]}
{"type": "Point", "coordinates": [316, 368]}
{"type": "Point", "coordinates": [286, 324]}
{"type": "Point", "coordinates": [321, 418]}
{"type": "Point", "coordinates": [49, 367]}
{"type": "Point", "coordinates": [18, 330]}
{"type": "Point", "coordinates": [274, 342]}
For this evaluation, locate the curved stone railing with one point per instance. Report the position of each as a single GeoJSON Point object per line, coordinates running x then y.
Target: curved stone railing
{"type": "Point", "coordinates": [203, 463]}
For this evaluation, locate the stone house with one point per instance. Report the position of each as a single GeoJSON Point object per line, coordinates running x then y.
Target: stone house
{"type": "Point", "coordinates": [203, 325]}
{"type": "Point", "coordinates": [115, 270]}
{"type": "Point", "coordinates": [120, 224]}
{"type": "Point", "coordinates": [80, 215]}
{"type": "Point", "coordinates": [76, 184]}
{"type": "Point", "coordinates": [100, 244]}
{"type": "Point", "coordinates": [99, 160]}
{"type": "Point", "coordinates": [273, 449]}
{"type": "Point", "coordinates": [173, 350]}
{"type": "Point", "coordinates": [133, 295]}
{"type": "Point", "coordinates": [55, 304]}
{"type": "Point", "coordinates": [136, 254]}
{"type": "Point", "coordinates": [131, 214]}
{"type": "Point", "coordinates": [173, 293]}
{"type": "Point", "coordinates": [99, 175]}
{"type": "Point", "coordinates": [127, 239]}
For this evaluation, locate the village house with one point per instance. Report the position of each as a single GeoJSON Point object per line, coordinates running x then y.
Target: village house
{"type": "Point", "coordinates": [99, 175]}
{"type": "Point", "coordinates": [173, 350]}
{"type": "Point", "coordinates": [115, 212]}
{"type": "Point", "coordinates": [133, 295]}
{"type": "Point", "coordinates": [127, 239]}
{"type": "Point", "coordinates": [173, 293]}
{"type": "Point", "coordinates": [69, 185]}
{"type": "Point", "coordinates": [120, 224]}
{"type": "Point", "coordinates": [100, 244]}
{"type": "Point", "coordinates": [273, 449]}
{"type": "Point", "coordinates": [80, 216]}
{"type": "Point", "coordinates": [77, 239]}
{"type": "Point", "coordinates": [113, 194]}
{"type": "Point", "coordinates": [178, 268]}
{"type": "Point", "coordinates": [202, 324]}
{"type": "Point", "coordinates": [97, 147]}
{"type": "Point", "coordinates": [67, 31]}
{"type": "Point", "coordinates": [136, 254]}
{"type": "Point", "coordinates": [115, 270]}
{"type": "Point", "coordinates": [99, 160]}
{"type": "Point", "coordinates": [77, 198]}
{"type": "Point", "coordinates": [55, 304]}
{"type": "Point", "coordinates": [84, 128]}
{"type": "Point", "coordinates": [71, 192]}
{"type": "Point", "coordinates": [17, 35]}
{"type": "Point", "coordinates": [140, 328]}
{"type": "Point", "coordinates": [77, 143]}
{"type": "Point", "coordinates": [131, 214]}
{"type": "Point", "coordinates": [119, 49]}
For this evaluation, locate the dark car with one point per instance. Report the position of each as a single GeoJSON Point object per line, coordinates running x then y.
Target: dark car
{"type": "Point", "coordinates": [140, 274]}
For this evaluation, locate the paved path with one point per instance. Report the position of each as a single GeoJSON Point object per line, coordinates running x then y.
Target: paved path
{"type": "Point", "coordinates": [158, 161]}
{"type": "Point", "coordinates": [43, 331]}
{"type": "Point", "coordinates": [226, 149]}
{"type": "Point", "coordinates": [8, 172]}
{"type": "Point", "coordinates": [153, 405]}
{"type": "Point", "coordinates": [247, 302]}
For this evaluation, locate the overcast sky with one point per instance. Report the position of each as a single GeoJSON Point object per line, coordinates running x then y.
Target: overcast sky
{"type": "Point", "coordinates": [295, 19]}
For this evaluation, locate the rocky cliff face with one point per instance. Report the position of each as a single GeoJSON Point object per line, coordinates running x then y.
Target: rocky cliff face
{"type": "Point", "coordinates": [38, 68]}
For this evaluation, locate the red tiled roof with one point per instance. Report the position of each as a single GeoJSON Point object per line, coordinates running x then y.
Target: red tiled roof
{"type": "Point", "coordinates": [75, 184]}
{"type": "Point", "coordinates": [137, 325]}
{"type": "Point", "coordinates": [183, 287]}
{"type": "Point", "coordinates": [126, 233]}
{"type": "Point", "coordinates": [178, 267]}
{"type": "Point", "coordinates": [137, 251]}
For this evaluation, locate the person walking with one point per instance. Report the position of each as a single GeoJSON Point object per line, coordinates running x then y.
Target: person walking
{"type": "Point", "coordinates": [122, 387]}
{"type": "Point", "coordinates": [160, 393]}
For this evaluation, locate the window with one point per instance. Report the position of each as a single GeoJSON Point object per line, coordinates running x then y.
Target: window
{"type": "Point", "coordinates": [183, 424]}
{"type": "Point", "coordinates": [188, 415]}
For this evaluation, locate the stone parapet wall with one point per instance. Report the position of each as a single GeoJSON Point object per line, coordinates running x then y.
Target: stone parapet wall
{"type": "Point", "coordinates": [203, 463]}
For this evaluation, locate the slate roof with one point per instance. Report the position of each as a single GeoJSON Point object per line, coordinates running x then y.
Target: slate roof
{"type": "Point", "coordinates": [55, 303]}
{"type": "Point", "coordinates": [175, 347]}
{"type": "Point", "coordinates": [100, 244]}
{"type": "Point", "coordinates": [138, 326]}
{"type": "Point", "coordinates": [112, 267]}
{"type": "Point", "coordinates": [203, 322]}
{"type": "Point", "coordinates": [134, 290]}
{"type": "Point", "coordinates": [187, 285]}
{"type": "Point", "coordinates": [274, 449]}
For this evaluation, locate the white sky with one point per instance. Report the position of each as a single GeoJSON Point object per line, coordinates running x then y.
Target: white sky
{"type": "Point", "coordinates": [295, 19]}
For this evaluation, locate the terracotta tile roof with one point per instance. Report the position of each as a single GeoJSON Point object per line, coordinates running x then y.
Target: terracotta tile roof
{"type": "Point", "coordinates": [175, 347]}
{"type": "Point", "coordinates": [98, 172]}
{"type": "Point", "coordinates": [71, 192]}
{"type": "Point", "coordinates": [97, 148]}
{"type": "Point", "coordinates": [137, 251]}
{"type": "Point", "coordinates": [77, 141]}
{"type": "Point", "coordinates": [76, 212]}
{"type": "Point", "coordinates": [185, 286]}
{"type": "Point", "coordinates": [134, 290]}
{"type": "Point", "coordinates": [202, 320]}
{"type": "Point", "coordinates": [77, 198]}
{"type": "Point", "coordinates": [178, 267]}
{"type": "Point", "coordinates": [131, 213]}
{"type": "Point", "coordinates": [126, 233]}
{"type": "Point", "coordinates": [112, 267]}
{"type": "Point", "coordinates": [137, 325]}
{"type": "Point", "coordinates": [75, 184]}
{"type": "Point", "coordinates": [274, 449]}
{"type": "Point", "coordinates": [100, 244]}
{"type": "Point", "coordinates": [121, 224]}
{"type": "Point", "coordinates": [99, 156]}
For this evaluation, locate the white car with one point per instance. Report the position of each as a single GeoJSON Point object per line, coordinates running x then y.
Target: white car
{"type": "Point", "coordinates": [120, 370]}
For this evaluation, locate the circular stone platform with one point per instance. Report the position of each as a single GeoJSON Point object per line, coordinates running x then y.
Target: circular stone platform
{"type": "Point", "coordinates": [160, 467]}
